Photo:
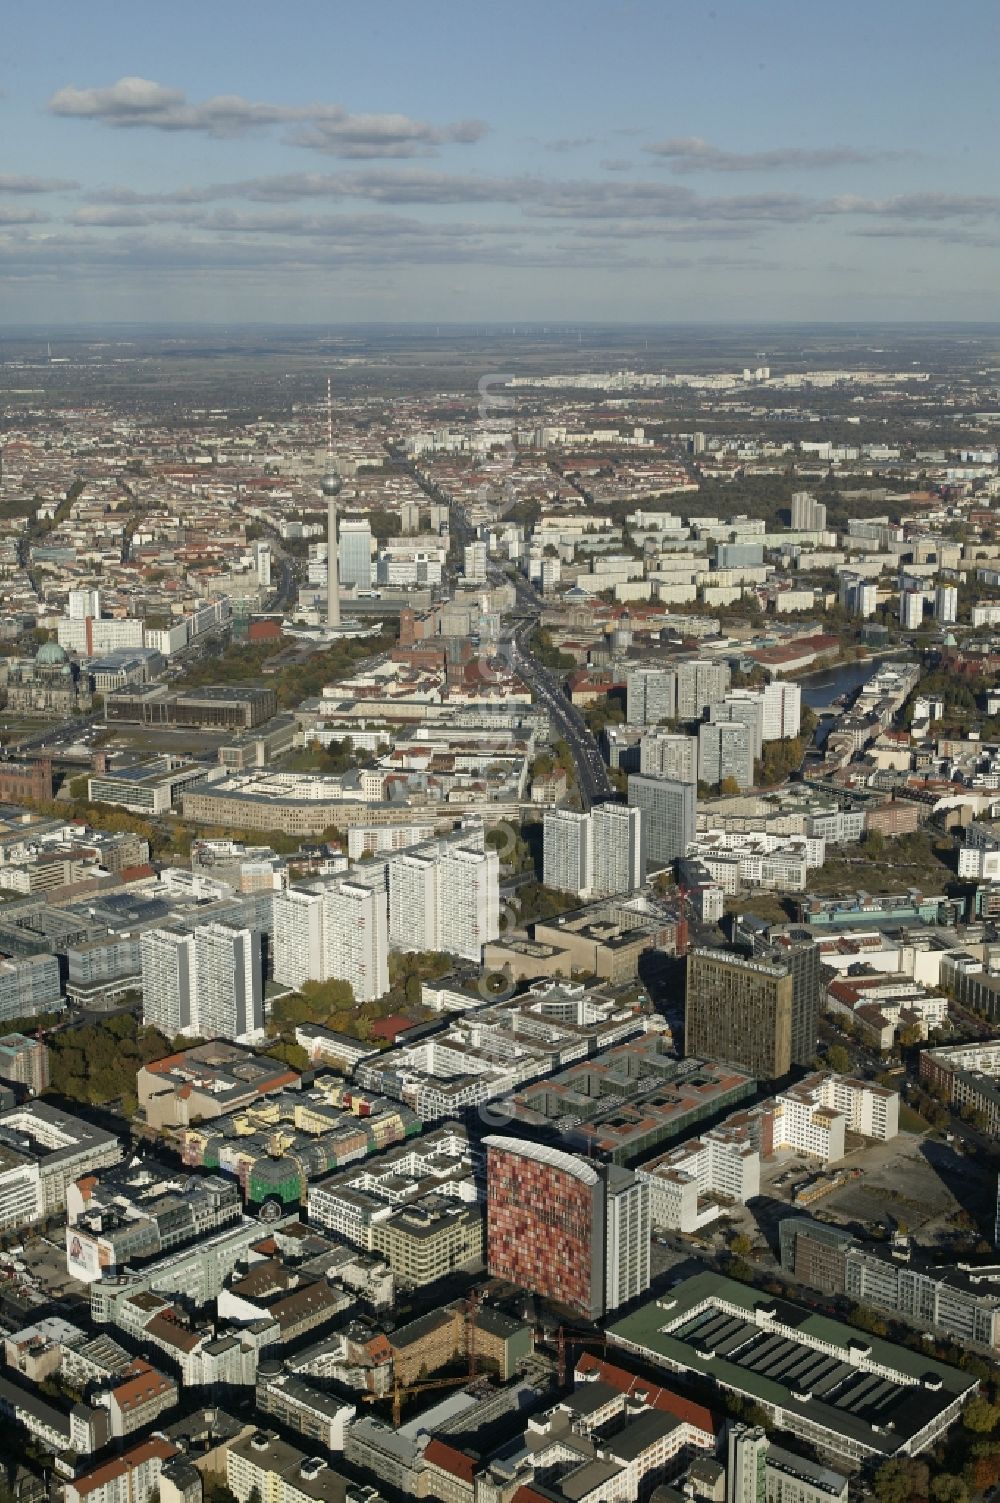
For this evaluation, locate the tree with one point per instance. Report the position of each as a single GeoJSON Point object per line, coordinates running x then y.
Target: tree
{"type": "Point", "coordinates": [946, 1488]}
{"type": "Point", "coordinates": [985, 1472]}
{"type": "Point", "coordinates": [544, 649]}
{"type": "Point", "coordinates": [901, 1480]}
{"type": "Point", "coordinates": [98, 1062]}
{"type": "Point", "coordinates": [866, 1320]}
{"type": "Point", "coordinates": [874, 842]}
{"type": "Point", "coordinates": [328, 994]}
{"type": "Point", "coordinates": [837, 1059]}
{"type": "Point", "coordinates": [980, 1416]}
{"type": "Point", "coordinates": [729, 788]}
{"type": "Point", "coordinates": [292, 1055]}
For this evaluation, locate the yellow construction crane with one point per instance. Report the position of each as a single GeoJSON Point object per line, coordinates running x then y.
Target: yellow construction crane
{"type": "Point", "coordinates": [401, 1391]}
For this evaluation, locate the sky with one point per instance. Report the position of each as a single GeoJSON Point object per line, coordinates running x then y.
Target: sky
{"type": "Point", "coordinates": [634, 161]}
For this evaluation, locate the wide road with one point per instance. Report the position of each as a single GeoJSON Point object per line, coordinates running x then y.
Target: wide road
{"type": "Point", "coordinates": [591, 773]}
{"type": "Point", "coordinates": [567, 722]}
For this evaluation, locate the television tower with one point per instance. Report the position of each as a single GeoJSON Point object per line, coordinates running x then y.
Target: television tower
{"type": "Point", "coordinates": [331, 485]}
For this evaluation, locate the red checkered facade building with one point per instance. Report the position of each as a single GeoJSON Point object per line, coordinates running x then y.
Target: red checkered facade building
{"type": "Point", "coordinates": [570, 1231]}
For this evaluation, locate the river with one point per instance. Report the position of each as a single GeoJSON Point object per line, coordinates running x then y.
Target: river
{"type": "Point", "coordinates": [822, 688]}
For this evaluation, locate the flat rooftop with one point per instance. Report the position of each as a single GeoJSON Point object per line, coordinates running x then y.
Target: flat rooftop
{"type": "Point", "coordinates": [877, 1394]}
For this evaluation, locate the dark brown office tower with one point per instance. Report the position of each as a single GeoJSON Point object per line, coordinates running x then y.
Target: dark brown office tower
{"type": "Point", "coordinates": [799, 952]}
{"type": "Point", "coordinates": [740, 1011]}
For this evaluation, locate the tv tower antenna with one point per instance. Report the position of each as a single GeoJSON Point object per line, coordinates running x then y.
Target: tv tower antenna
{"type": "Point", "coordinates": [331, 485]}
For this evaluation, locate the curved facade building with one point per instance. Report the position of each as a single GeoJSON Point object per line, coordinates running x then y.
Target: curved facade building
{"type": "Point", "coordinates": [572, 1232]}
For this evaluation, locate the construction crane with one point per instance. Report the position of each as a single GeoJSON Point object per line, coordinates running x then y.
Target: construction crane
{"type": "Point", "coordinates": [566, 1339]}
{"type": "Point", "coordinates": [402, 1391]}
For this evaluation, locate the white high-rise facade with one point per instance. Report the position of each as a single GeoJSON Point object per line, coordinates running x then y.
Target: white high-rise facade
{"type": "Point", "coordinates": [229, 982]}
{"type": "Point", "coordinates": [619, 863]}
{"type": "Point", "coordinates": [911, 609]}
{"type": "Point", "coordinates": [700, 684]}
{"type": "Point", "coordinates": [627, 1237]}
{"type": "Point", "coordinates": [725, 750]}
{"type": "Point", "coordinates": [167, 957]}
{"type": "Point", "coordinates": [444, 896]}
{"type": "Point", "coordinates": [946, 604]}
{"type": "Point", "coordinates": [262, 562]}
{"type": "Point", "coordinates": [747, 706]}
{"type": "Point", "coordinates": [356, 943]}
{"type": "Point", "coordinates": [469, 901]}
{"type": "Point", "coordinates": [337, 931]}
{"type": "Point", "coordinates": [663, 754]}
{"type": "Point", "coordinates": [858, 595]}
{"type": "Point", "coordinates": [651, 696]}
{"type": "Point", "coordinates": [474, 563]}
{"type": "Point", "coordinates": [746, 1470]}
{"type": "Point", "coordinates": [298, 936]}
{"type": "Point", "coordinates": [414, 887]}
{"type": "Point", "coordinates": [207, 981]}
{"type": "Point", "coordinates": [356, 552]}
{"type": "Point", "coordinates": [83, 603]}
{"type": "Point", "coordinates": [567, 851]}
{"type": "Point", "coordinates": [808, 514]}
{"type": "Point", "coordinates": [782, 710]}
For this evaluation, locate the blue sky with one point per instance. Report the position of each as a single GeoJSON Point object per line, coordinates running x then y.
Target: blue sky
{"type": "Point", "coordinates": [643, 160]}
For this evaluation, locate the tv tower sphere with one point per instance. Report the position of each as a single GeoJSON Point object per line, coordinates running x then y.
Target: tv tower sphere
{"type": "Point", "coordinates": [331, 484]}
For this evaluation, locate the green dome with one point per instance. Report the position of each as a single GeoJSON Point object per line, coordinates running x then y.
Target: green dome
{"type": "Point", "coordinates": [50, 655]}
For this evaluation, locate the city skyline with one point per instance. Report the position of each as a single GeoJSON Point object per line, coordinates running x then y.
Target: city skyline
{"type": "Point", "coordinates": [646, 163]}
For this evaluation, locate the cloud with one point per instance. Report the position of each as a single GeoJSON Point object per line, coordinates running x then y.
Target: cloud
{"type": "Point", "coordinates": [617, 205]}
{"type": "Point", "coordinates": [944, 234]}
{"type": "Point", "coordinates": [925, 207]}
{"type": "Point", "coordinates": [20, 216]}
{"type": "Point", "coordinates": [10, 183]}
{"type": "Point", "coordinates": [385, 185]}
{"type": "Point", "coordinates": [686, 154]}
{"type": "Point", "coordinates": [632, 229]}
{"type": "Point", "coordinates": [352, 245]}
{"type": "Point", "coordinates": [538, 198]}
{"type": "Point", "coordinates": [616, 164]}
{"type": "Point", "coordinates": [343, 135]}
{"type": "Point", "coordinates": [334, 229]}
{"type": "Point", "coordinates": [121, 216]}
{"type": "Point", "coordinates": [566, 143]}
{"type": "Point", "coordinates": [139, 103]}
{"type": "Point", "coordinates": [588, 200]}
{"type": "Point", "coordinates": [127, 196]}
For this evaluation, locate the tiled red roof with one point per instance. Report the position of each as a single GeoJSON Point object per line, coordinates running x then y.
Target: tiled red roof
{"type": "Point", "coordinates": [102, 1475]}
{"type": "Point", "coordinates": [655, 1398]}
{"type": "Point", "coordinates": [388, 1028]}
{"type": "Point", "coordinates": [528, 1495]}
{"type": "Point", "coordinates": [450, 1460]}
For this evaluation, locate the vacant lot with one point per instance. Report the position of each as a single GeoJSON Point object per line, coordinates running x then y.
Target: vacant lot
{"type": "Point", "coordinates": [913, 1180]}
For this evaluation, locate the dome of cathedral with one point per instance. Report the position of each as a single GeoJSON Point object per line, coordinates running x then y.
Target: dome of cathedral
{"type": "Point", "coordinates": [50, 655]}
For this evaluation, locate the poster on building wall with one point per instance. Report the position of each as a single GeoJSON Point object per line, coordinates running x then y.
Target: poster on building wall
{"type": "Point", "coordinates": [81, 1256]}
